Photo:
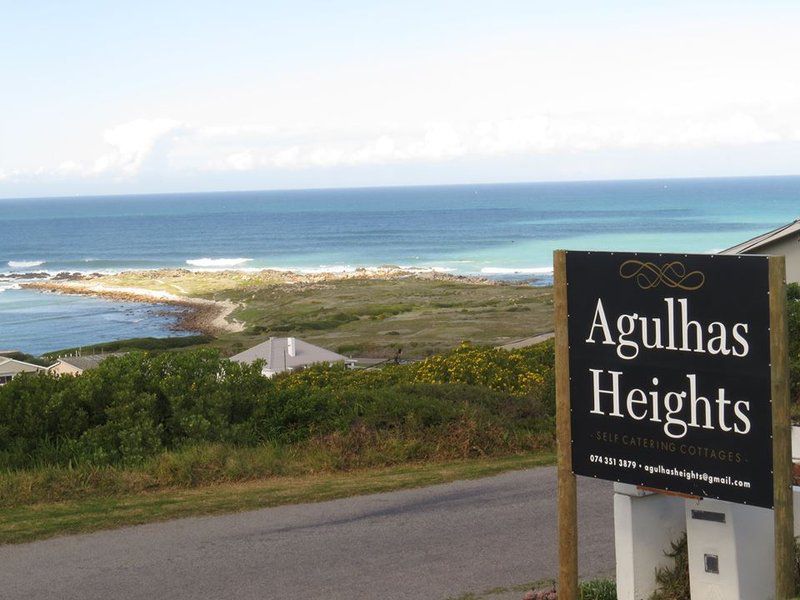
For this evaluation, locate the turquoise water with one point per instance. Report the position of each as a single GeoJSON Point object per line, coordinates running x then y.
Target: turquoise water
{"type": "Point", "coordinates": [36, 323]}
{"type": "Point", "coordinates": [496, 230]}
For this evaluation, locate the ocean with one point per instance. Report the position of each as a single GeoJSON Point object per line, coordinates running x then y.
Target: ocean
{"type": "Point", "coordinates": [38, 322]}
{"type": "Point", "coordinates": [504, 230]}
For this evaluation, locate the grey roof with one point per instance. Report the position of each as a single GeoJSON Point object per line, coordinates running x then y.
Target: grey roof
{"type": "Point", "coordinates": [765, 239]}
{"type": "Point", "coordinates": [275, 352]}
{"type": "Point", "coordinates": [10, 366]}
{"type": "Point", "coordinates": [90, 361]}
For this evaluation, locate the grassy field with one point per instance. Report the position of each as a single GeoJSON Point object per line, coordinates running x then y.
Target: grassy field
{"type": "Point", "coordinates": [181, 282]}
{"type": "Point", "coordinates": [29, 522]}
{"type": "Point", "coordinates": [377, 318]}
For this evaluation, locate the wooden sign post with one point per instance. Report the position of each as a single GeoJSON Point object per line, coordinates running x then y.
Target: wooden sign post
{"type": "Point", "coordinates": [781, 431]}
{"type": "Point", "coordinates": [567, 484]}
{"type": "Point", "coordinates": [672, 374]}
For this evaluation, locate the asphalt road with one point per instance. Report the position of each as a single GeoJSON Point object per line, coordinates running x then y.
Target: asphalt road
{"type": "Point", "coordinates": [429, 543]}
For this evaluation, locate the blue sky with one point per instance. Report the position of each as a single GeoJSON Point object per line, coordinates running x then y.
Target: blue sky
{"type": "Point", "coordinates": [105, 97]}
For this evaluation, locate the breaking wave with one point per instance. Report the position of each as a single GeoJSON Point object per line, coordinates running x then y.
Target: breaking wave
{"type": "Point", "coordinates": [511, 271]}
{"type": "Point", "coordinates": [24, 264]}
{"type": "Point", "coordinates": [217, 262]}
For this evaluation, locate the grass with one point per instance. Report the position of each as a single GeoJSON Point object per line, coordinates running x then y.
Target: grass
{"type": "Point", "coordinates": [376, 318]}
{"type": "Point", "coordinates": [592, 589]}
{"type": "Point", "coordinates": [24, 523]}
{"type": "Point", "coordinates": [181, 282]}
{"type": "Point", "coordinates": [361, 317]}
{"type": "Point", "coordinates": [504, 590]}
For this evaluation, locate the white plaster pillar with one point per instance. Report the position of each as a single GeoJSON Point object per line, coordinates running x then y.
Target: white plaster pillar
{"type": "Point", "coordinates": [644, 525]}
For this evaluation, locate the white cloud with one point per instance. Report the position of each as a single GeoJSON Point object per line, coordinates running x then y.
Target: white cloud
{"type": "Point", "coordinates": [240, 161]}
{"type": "Point", "coordinates": [132, 145]}
{"type": "Point", "coordinates": [165, 146]}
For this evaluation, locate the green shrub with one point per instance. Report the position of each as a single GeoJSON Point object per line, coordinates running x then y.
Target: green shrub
{"type": "Point", "coordinates": [673, 582]}
{"type": "Point", "coordinates": [470, 402]}
{"type": "Point", "coordinates": [598, 589]}
{"type": "Point", "coordinates": [149, 344]}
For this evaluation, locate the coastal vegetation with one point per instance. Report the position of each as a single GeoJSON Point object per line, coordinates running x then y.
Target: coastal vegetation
{"type": "Point", "coordinates": [147, 423]}
{"type": "Point", "coordinates": [173, 428]}
{"type": "Point", "coordinates": [149, 344]}
{"type": "Point", "coordinates": [590, 589]}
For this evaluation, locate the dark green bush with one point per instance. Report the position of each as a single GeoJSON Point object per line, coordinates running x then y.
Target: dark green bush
{"type": "Point", "coordinates": [135, 406]}
{"type": "Point", "coordinates": [150, 344]}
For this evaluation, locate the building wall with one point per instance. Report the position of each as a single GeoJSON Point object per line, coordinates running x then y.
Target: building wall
{"type": "Point", "coordinates": [790, 248]}
{"type": "Point", "coordinates": [12, 368]}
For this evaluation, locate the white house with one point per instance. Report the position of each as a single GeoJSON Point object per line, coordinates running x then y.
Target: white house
{"type": "Point", "coordinates": [10, 368]}
{"type": "Point", "coordinates": [288, 354]}
{"type": "Point", "coordinates": [785, 240]}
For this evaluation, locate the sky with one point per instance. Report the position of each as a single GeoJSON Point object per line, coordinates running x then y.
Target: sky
{"type": "Point", "coordinates": [135, 97]}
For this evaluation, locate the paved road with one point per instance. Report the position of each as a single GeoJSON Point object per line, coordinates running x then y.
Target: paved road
{"type": "Point", "coordinates": [430, 543]}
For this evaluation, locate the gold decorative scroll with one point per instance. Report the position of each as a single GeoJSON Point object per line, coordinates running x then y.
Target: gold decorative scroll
{"type": "Point", "coordinates": [673, 274]}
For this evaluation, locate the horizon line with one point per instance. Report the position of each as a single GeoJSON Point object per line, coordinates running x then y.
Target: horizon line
{"type": "Point", "coordinates": [403, 186]}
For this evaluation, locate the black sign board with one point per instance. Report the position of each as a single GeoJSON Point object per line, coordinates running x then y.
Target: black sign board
{"type": "Point", "coordinates": [670, 377]}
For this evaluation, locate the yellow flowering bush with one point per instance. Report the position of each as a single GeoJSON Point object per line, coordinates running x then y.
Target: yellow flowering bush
{"type": "Point", "coordinates": [517, 372]}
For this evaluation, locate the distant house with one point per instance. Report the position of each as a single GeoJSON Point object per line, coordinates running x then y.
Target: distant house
{"type": "Point", "coordinates": [75, 365]}
{"type": "Point", "coordinates": [783, 241]}
{"type": "Point", "coordinates": [288, 354]}
{"type": "Point", "coordinates": [10, 368]}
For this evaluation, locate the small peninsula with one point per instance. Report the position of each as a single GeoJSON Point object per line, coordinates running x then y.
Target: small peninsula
{"type": "Point", "coordinates": [373, 312]}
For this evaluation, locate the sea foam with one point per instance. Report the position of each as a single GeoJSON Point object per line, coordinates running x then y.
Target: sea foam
{"type": "Point", "coordinates": [522, 271]}
{"type": "Point", "coordinates": [24, 264]}
{"type": "Point", "coordinates": [217, 262]}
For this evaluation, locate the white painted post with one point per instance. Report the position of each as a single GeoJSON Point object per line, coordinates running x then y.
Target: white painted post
{"type": "Point", "coordinates": [644, 525]}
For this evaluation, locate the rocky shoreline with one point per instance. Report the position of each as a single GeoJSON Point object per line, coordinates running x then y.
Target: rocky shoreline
{"type": "Point", "coordinates": [383, 272]}
{"type": "Point", "coordinates": [198, 314]}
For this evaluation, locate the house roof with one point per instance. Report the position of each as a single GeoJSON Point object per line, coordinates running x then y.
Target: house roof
{"type": "Point", "coordinates": [90, 361]}
{"type": "Point", "coordinates": [11, 366]}
{"type": "Point", "coordinates": [275, 351]}
{"type": "Point", "coordinates": [752, 245]}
